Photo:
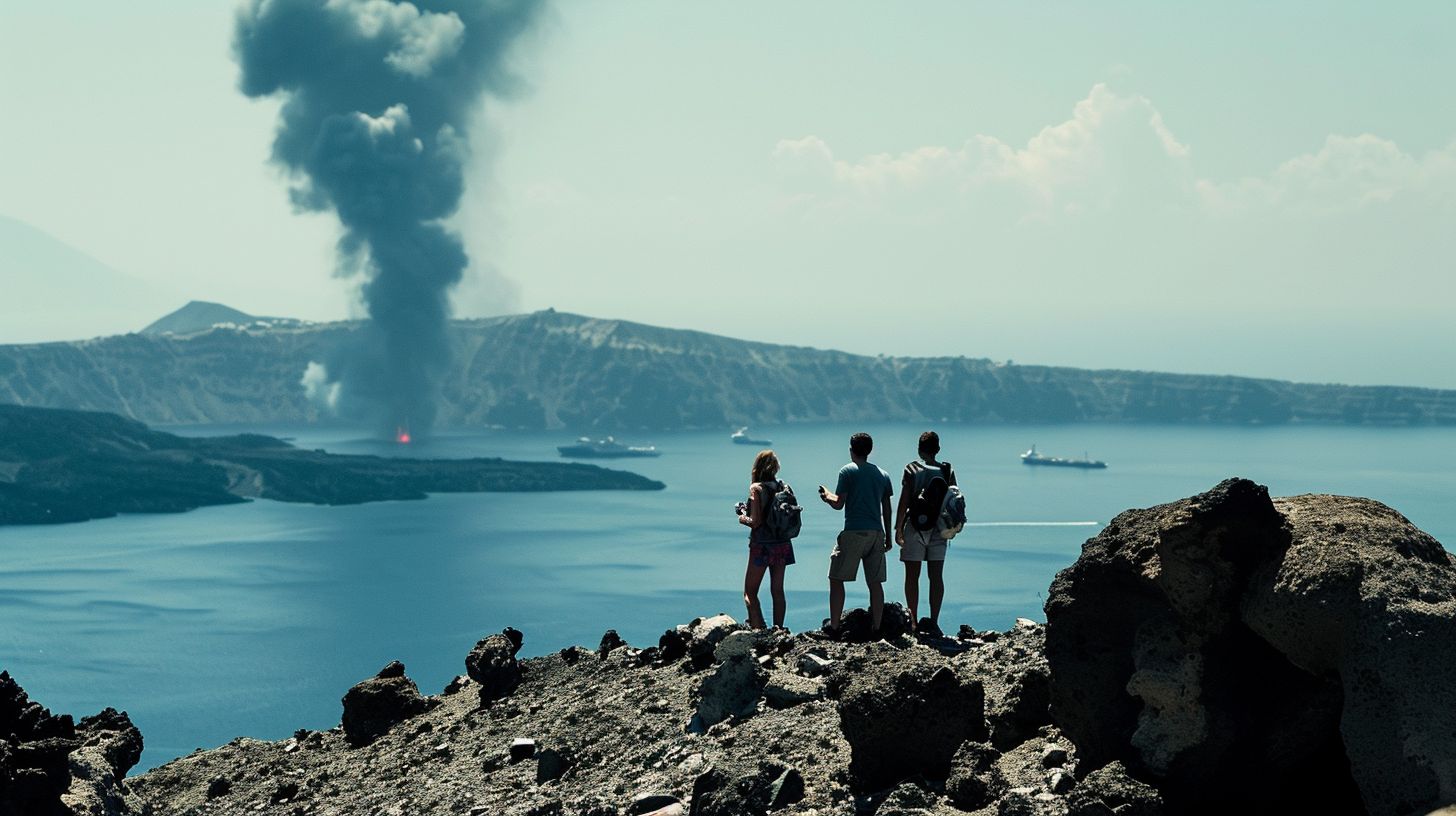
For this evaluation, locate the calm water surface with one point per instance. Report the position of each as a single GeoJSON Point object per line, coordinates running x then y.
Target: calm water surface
{"type": "Point", "coordinates": [254, 619]}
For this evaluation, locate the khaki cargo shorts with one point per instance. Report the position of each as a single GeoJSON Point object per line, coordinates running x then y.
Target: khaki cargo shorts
{"type": "Point", "coordinates": [922, 546]}
{"type": "Point", "coordinates": [854, 546]}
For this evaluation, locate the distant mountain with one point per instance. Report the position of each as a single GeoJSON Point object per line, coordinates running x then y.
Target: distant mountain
{"type": "Point", "coordinates": [201, 315]}
{"type": "Point", "coordinates": [556, 370]}
{"type": "Point", "coordinates": [53, 291]}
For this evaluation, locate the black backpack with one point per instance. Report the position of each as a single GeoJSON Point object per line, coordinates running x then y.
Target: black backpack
{"type": "Point", "coordinates": [928, 498]}
{"type": "Point", "coordinates": [781, 518]}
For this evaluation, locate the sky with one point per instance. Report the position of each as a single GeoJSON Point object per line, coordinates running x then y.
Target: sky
{"type": "Point", "coordinates": [1233, 188]}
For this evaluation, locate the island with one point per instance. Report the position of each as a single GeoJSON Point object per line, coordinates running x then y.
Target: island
{"type": "Point", "coordinates": [62, 466]}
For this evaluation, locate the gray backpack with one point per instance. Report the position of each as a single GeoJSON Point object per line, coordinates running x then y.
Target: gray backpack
{"type": "Point", "coordinates": [781, 519]}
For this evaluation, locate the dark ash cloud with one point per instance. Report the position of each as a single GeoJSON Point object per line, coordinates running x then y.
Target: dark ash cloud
{"type": "Point", "coordinates": [378, 99]}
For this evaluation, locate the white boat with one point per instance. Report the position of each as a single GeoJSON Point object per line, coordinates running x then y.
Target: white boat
{"type": "Point", "coordinates": [741, 437]}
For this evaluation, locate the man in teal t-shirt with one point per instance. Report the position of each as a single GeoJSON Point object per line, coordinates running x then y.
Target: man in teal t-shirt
{"type": "Point", "coordinates": [863, 493]}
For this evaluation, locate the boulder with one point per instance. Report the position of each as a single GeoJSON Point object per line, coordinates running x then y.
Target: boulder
{"type": "Point", "coordinates": [34, 764]}
{"type": "Point", "coordinates": [1110, 790]}
{"type": "Point", "coordinates": [907, 799]}
{"type": "Point", "coordinates": [1303, 647]}
{"type": "Point", "coordinates": [492, 664]}
{"type": "Point", "coordinates": [904, 715]}
{"type": "Point", "coordinates": [974, 781]}
{"type": "Point", "coordinates": [672, 646]}
{"type": "Point", "coordinates": [375, 705]}
{"type": "Point", "coordinates": [610, 641]}
{"type": "Point", "coordinates": [855, 624]}
{"type": "Point", "coordinates": [736, 684]}
{"type": "Point", "coordinates": [728, 789]}
{"type": "Point", "coordinates": [704, 634]}
{"type": "Point", "coordinates": [111, 732]}
{"type": "Point", "coordinates": [786, 690]}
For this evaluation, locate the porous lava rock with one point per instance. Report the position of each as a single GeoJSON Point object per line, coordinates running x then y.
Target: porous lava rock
{"type": "Point", "coordinates": [1017, 681]}
{"type": "Point", "coordinates": [735, 685]}
{"type": "Point", "coordinates": [51, 766]}
{"type": "Point", "coordinates": [1109, 790]}
{"type": "Point", "coordinates": [974, 781]}
{"type": "Point", "coordinates": [1241, 652]}
{"type": "Point", "coordinates": [904, 714]}
{"type": "Point", "coordinates": [492, 664]}
{"type": "Point", "coordinates": [377, 704]}
{"type": "Point", "coordinates": [746, 789]}
{"type": "Point", "coordinates": [854, 626]}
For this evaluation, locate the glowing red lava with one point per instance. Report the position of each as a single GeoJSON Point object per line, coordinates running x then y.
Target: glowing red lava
{"type": "Point", "coordinates": [402, 436]}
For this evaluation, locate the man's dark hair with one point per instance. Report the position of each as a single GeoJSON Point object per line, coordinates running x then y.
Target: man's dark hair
{"type": "Point", "coordinates": [861, 444]}
{"type": "Point", "coordinates": [930, 443]}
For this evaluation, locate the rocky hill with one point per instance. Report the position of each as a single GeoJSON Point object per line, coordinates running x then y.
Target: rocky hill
{"type": "Point", "coordinates": [60, 466]}
{"type": "Point", "coordinates": [555, 370]}
{"type": "Point", "coordinates": [1226, 653]}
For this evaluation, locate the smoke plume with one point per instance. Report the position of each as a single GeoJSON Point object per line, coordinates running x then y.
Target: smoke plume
{"type": "Point", "coordinates": [378, 97]}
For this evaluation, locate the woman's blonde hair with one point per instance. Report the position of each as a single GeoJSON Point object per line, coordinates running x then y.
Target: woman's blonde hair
{"type": "Point", "coordinates": [765, 466]}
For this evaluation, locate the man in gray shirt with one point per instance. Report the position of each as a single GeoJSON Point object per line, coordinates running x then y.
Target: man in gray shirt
{"type": "Point", "coordinates": [863, 493]}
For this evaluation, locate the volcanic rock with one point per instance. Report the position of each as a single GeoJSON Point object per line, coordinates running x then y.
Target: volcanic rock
{"type": "Point", "coordinates": [375, 705]}
{"type": "Point", "coordinates": [1018, 690]}
{"type": "Point", "coordinates": [907, 799]}
{"type": "Point", "coordinates": [704, 634]}
{"type": "Point", "coordinates": [1109, 790]}
{"type": "Point", "coordinates": [973, 780]}
{"type": "Point", "coordinates": [1301, 647]}
{"type": "Point", "coordinates": [736, 789]}
{"type": "Point", "coordinates": [492, 664]}
{"type": "Point", "coordinates": [610, 641]}
{"type": "Point", "coordinates": [904, 714]}
{"type": "Point", "coordinates": [735, 686]}
{"type": "Point", "coordinates": [854, 626]}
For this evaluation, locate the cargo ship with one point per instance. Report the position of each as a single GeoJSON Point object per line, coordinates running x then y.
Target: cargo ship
{"type": "Point", "coordinates": [1031, 457]}
{"type": "Point", "coordinates": [608, 448]}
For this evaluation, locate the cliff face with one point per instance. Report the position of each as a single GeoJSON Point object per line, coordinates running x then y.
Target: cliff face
{"type": "Point", "coordinates": [553, 370]}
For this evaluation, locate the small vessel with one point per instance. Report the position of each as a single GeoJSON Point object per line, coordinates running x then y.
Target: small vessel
{"type": "Point", "coordinates": [741, 437]}
{"type": "Point", "coordinates": [1031, 457]}
{"type": "Point", "coordinates": [608, 448]}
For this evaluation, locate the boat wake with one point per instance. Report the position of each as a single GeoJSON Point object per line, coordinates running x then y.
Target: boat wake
{"type": "Point", "coordinates": [1033, 524]}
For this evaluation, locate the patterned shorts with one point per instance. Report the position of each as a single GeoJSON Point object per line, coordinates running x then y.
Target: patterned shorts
{"type": "Point", "coordinates": [772, 554]}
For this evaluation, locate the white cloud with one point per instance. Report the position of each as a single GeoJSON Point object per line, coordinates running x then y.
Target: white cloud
{"type": "Point", "coordinates": [421, 39]}
{"type": "Point", "coordinates": [1347, 174]}
{"type": "Point", "coordinates": [1113, 151]}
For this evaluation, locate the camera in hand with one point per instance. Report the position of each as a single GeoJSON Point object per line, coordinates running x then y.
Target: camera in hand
{"type": "Point", "coordinates": [742, 508]}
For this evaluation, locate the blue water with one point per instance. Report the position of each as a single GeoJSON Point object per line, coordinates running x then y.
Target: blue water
{"type": "Point", "coordinates": [254, 619]}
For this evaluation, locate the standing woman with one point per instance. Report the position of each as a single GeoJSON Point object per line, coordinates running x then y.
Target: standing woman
{"type": "Point", "coordinates": [764, 552]}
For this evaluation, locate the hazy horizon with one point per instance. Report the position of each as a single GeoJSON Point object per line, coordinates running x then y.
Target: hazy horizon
{"type": "Point", "coordinates": [1237, 190]}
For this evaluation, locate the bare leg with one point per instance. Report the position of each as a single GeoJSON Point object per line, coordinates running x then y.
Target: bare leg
{"type": "Point", "coordinates": [751, 581]}
{"type": "Point", "coordinates": [836, 602]}
{"type": "Point", "coordinates": [937, 589]}
{"type": "Point", "coordinates": [877, 605]}
{"type": "Point", "coordinates": [912, 591]}
{"type": "Point", "coordinates": [776, 586]}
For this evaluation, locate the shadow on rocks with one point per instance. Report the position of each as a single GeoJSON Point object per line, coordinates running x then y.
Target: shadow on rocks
{"type": "Point", "coordinates": [904, 714]}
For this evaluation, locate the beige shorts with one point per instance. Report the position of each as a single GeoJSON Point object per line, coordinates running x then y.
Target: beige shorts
{"type": "Point", "coordinates": [922, 547]}
{"type": "Point", "coordinates": [854, 546]}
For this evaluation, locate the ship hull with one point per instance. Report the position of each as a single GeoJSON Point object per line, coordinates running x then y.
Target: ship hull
{"type": "Point", "coordinates": [1071, 463]}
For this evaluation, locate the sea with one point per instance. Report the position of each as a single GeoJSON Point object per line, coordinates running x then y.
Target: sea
{"type": "Point", "coordinates": [254, 619]}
